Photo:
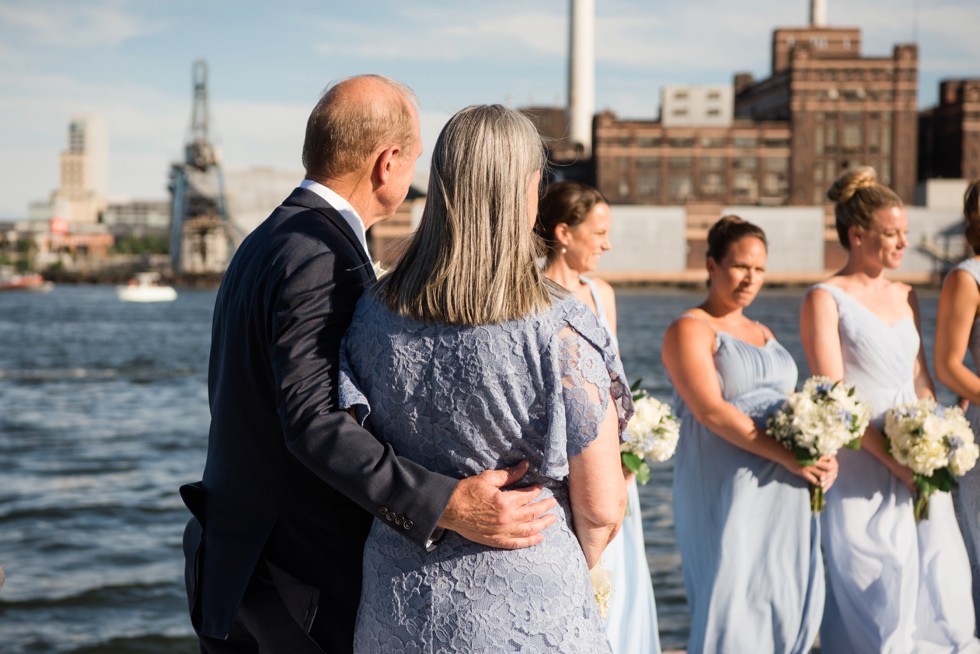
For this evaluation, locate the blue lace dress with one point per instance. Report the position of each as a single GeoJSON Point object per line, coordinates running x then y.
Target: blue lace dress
{"type": "Point", "coordinates": [631, 621]}
{"type": "Point", "coordinates": [750, 547]}
{"type": "Point", "coordinates": [460, 400]}
{"type": "Point", "coordinates": [894, 585]}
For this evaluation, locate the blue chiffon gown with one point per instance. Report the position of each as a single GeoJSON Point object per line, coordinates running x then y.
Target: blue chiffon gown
{"type": "Point", "coordinates": [460, 400]}
{"type": "Point", "coordinates": [631, 619]}
{"type": "Point", "coordinates": [969, 489]}
{"type": "Point", "coordinates": [894, 586]}
{"type": "Point", "coordinates": [749, 544]}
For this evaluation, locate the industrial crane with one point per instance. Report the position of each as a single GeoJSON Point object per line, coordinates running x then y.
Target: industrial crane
{"type": "Point", "coordinates": [200, 240]}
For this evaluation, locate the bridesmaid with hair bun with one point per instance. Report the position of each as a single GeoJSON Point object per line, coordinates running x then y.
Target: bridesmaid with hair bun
{"type": "Point", "coordinates": [893, 585]}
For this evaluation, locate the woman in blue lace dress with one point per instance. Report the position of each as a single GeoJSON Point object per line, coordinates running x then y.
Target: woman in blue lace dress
{"type": "Point", "coordinates": [750, 547]}
{"type": "Point", "coordinates": [894, 585]}
{"type": "Point", "coordinates": [574, 222]}
{"type": "Point", "coordinates": [465, 358]}
{"type": "Point", "coordinates": [957, 333]}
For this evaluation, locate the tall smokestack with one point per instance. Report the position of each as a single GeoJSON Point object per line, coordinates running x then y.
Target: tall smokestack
{"type": "Point", "coordinates": [818, 13]}
{"type": "Point", "coordinates": [581, 74]}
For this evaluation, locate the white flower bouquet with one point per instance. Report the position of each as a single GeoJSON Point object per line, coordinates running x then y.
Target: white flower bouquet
{"type": "Point", "coordinates": [601, 587]}
{"type": "Point", "coordinates": [818, 420]}
{"type": "Point", "coordinates": [935, 441]}
{"type": "Point", "coordinates": [651, 434]}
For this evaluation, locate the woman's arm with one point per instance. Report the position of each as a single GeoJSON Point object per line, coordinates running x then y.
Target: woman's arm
{"type": "Point", "coordinates": [597, 489]}
{"type": "Point", "coordinates": [924, 387]}
{"type": "Point", "coordinates": [687, 356]}
{"type": "Point", "coordinates": [958, 305]}
{"type": "Point", "coordinates": [819, 332]}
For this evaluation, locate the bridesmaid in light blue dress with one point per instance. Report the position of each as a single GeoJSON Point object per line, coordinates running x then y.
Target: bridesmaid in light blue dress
{"type": "Point", "coordinates": [894, 585]}
{"type": "Point", "coordinates": [749, 543]}
{"type": "Point", "coordinates": [958, 332]}
{"type": "Point", "coordinates": [574, 221]}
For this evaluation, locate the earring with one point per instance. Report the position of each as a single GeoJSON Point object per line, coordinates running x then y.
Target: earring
{"type": "Point", "coordinates": [564, 250]}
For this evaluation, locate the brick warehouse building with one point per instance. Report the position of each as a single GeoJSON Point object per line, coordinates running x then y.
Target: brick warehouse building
{"type": "Point", "coordinates": [949, 134]}
{"type": "Point", "coordinates": [843, 109]}
{"type": "Point", "coordinates": [825, 107]}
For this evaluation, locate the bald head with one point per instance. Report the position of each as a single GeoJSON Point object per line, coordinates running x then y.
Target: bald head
{"type": "Point", "coordinates": [355, 119]}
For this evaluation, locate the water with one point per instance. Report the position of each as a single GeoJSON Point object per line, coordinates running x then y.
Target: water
{"type": "Point", "coordinates": [103, 414]}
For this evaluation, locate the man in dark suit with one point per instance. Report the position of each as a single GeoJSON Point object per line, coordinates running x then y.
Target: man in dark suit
{"type": "Point", "coordinates": [291, 484]}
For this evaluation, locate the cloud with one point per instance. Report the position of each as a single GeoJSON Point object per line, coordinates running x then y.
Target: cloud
{"type": "Point", "coordinates": [505, 31]}
{"type": "Point", "coordinates": [66, 24]}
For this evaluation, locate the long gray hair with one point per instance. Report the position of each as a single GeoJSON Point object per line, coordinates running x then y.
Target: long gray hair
{"type": "Point", "coordinates": [472, 259]}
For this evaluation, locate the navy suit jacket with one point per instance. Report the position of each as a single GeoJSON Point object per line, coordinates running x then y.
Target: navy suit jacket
{"type": "Point", "coordinates": [288, 477]}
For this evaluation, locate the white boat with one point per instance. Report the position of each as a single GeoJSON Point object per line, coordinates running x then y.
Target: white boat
{"type": "Point", "coordinates": [145, 287]}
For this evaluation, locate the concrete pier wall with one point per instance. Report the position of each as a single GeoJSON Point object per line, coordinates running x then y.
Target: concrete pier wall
{"type": "Point", "coordinates": [667, 244]}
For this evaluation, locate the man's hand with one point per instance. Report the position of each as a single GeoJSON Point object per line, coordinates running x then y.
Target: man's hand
{"type": "Point", "coordinates": [509, 519]}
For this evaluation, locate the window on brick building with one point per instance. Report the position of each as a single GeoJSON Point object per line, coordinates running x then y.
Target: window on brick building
{"type": "Point", "coordinates": [712, 141]}
{"type": "Point", "coordinates": [647, 185]}
{"type": "Point", "coordinates": [712, 163]}
{"type": "Point", "coordinates": [712, 185]}
{"type": "Point", "coordinates": [852, 137]}
{"type": "Point", "coordinates": [679, 187]}
{"type": "Point", "coordinates": [648, 141]}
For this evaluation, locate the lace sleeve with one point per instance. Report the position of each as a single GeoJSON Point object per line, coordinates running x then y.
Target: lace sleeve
{"type": "Point", "coordinates": [591, 377]}
{"type": "Point", "coordinates": [349, 392]}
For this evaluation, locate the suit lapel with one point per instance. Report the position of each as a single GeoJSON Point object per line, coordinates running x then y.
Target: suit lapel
{"type": "Point", "coordinates": [312, 201]}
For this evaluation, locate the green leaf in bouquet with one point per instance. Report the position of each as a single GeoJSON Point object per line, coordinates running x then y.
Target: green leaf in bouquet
{"type": "Point", "coordinates": [637, 466]}
{"type": "Point", "coordinates": [637, 392]}
{"type": "Point", "coordinates": [855, 444]}
{"type": "Point", "coordinates": [942, 480]}
{"type": "Point", "coordinates": [803, 456]}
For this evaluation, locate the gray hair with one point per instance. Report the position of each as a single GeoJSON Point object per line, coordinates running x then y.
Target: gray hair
{"type": "Point", "coordinates": [472, 260]}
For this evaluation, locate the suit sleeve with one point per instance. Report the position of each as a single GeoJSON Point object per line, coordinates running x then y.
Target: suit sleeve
{"type": "Point", "coordinates": [311, 310]}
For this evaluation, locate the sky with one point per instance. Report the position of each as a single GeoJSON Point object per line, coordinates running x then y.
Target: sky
{"type": "Point", "coordinates": [131, 61]}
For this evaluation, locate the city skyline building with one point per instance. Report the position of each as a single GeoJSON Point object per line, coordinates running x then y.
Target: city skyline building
{"type": "Point", "coordinates": [84, 172]}
{"type": "Point", "coordinates": [696, 106]}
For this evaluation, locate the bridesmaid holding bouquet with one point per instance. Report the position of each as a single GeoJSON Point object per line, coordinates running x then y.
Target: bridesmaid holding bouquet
{"type": "Point", "coordinates": [749, 544]}
{"type": "Point", "coordinates": [894, 586]}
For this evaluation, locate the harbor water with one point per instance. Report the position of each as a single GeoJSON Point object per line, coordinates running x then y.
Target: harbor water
{"type": "Point", "coordinates": [103, 414]}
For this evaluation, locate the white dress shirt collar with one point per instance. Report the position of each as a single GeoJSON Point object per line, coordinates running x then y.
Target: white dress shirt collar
{"type": "Point", "coordinates": [343, 207]}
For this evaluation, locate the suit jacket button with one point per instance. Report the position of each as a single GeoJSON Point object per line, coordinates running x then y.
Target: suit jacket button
{"type": "Point", "coordinates": [399, 520]}
{"type": "Point", "coordinates": [383, 511]}
{"type": "Point", "coordinates": [390, 516]}
{"type": "Point", "coordinates": [408, 524]}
